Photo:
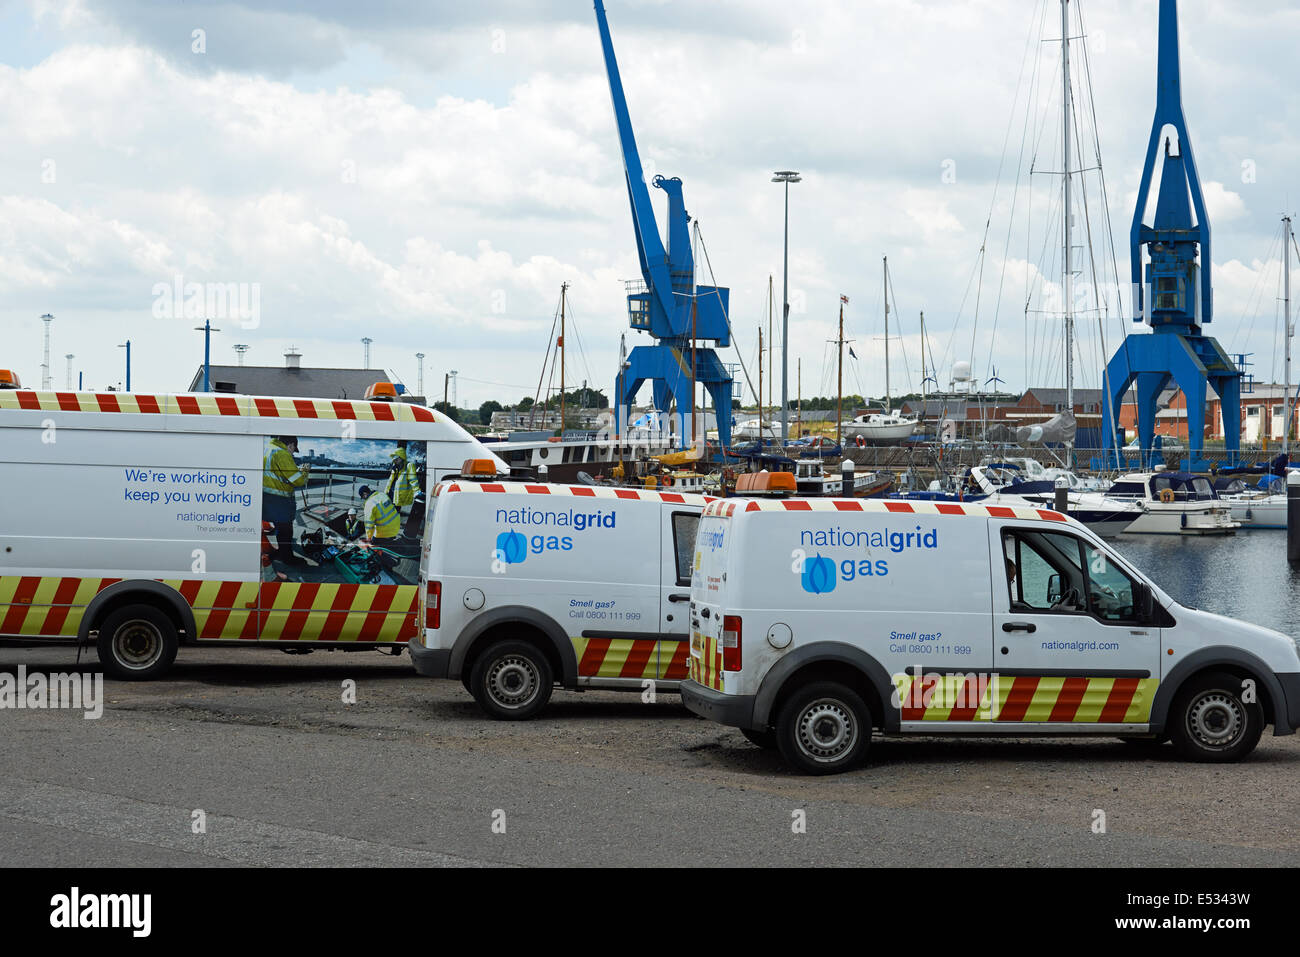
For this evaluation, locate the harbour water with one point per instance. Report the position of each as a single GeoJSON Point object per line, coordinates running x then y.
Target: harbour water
{"type": "Point", "coordinates": [1243, 576]}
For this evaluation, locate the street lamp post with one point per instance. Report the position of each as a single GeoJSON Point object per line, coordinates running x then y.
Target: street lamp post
{"type": "Point", "coordinates": [786, 176]}
{"type": "Point", "coordinates": [127, 346]}
{"type": "Point", "coordinates": [207, 331]}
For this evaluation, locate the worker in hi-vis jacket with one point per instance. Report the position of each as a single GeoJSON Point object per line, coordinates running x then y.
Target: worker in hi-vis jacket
{"type": "Point", "coordinates": [403, 479]}
{"type": "Point", "coordinates": [282, 476]}
{"type": "Point", "coordinates": [379, 514]}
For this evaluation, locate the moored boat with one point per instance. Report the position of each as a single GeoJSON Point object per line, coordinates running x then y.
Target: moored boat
{"type": "Point", "coordinates": [1174, 503]}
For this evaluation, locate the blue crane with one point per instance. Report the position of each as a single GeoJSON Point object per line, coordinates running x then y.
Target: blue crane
{"type": "Point", "coordinates": [1173, 295]}
{"type": "Point", "coordinates": [667, 303]}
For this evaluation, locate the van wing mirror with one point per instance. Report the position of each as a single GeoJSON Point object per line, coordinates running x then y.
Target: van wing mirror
{"type": "Point", "coordinates": [1053, 589]}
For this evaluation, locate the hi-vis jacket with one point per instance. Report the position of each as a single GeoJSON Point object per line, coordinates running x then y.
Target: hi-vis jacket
{"type": "Point", "coordinates": [280, 473]}
{"type": "Point", "coordinates": [407, 481]}
{"type": "Point", "coordinates": [381, 517]}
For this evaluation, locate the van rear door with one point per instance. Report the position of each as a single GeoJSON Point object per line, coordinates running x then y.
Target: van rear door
{"type": "Point", "coordinates": [707, 582]}
{"type": "Point", "coordinates": [677, 555]}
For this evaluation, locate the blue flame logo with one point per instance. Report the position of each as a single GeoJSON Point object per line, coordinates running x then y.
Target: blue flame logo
{"type": "Point", "coordinates": [818, 575]}
{"type": "Point", "coordinates": [512, 546]}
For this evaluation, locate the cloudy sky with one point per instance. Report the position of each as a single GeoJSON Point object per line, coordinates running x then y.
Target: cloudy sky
{"type": "Point", "coordinates": [428, 173]}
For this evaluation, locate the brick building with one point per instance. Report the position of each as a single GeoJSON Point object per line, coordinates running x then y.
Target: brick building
{"type": "Point", "coordinates": [1263, 411]}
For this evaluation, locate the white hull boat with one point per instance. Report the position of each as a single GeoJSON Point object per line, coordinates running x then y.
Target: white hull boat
{"type": "Point", "coordinates": [813, 478]}
{"type": "Point", "coordinates": [878, 428]}
{"type": "Point", "coordinates": [1174, 503]}
{"type": "Point", "coordinates": [1257, 511]}
{"type": "Point", "coordinates": [1252, 507]}
{"type": "Point", "coordinates": [1106, 517]}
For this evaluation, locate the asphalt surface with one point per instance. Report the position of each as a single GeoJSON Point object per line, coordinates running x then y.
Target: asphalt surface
{"type": "Point", "coordinates": [284, 772]}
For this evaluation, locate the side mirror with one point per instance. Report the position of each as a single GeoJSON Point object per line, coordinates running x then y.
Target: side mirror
{"type": "Point", "coordinates": [1053, 589]}
{"type": "Point", "coordinates": [1143, 602]}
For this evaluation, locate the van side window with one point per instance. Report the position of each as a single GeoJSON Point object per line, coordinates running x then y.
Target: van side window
{"type": "Point", "coordinates": [1051, 571]}
{"type": "Point", "coordinates": [684, 526]}
{"type": "Point", "coordinates": [1044, 571]}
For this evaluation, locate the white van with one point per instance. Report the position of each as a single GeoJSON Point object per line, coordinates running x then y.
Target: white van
{"type": "Point", "coordinates": [141, 522]}
{"type": "Point", "coordinates": [529, 586]}
{"type": "Point", "coordinates": [815, 622]}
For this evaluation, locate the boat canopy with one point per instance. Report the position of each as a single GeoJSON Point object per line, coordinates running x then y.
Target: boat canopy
{"type": "Point", "coordinates": [1184, 485]}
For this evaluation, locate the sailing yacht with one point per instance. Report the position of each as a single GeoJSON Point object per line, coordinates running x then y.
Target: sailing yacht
{"type": "Point", "coordinates": [880, 428]}
{"type": "Point", "coordinates": [887, 427]}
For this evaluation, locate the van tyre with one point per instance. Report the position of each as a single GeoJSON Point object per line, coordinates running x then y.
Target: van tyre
{"type": "Point", "coordinates": [1209, 722]}
{"type": "Point", "coordinates": [512, 680]}
{"type": "Point", "coordinates": [760, 739]}
{"type": "Point", "coordinates": [136, 643]}
{"type": "Point", "coordinates": [824, 728]}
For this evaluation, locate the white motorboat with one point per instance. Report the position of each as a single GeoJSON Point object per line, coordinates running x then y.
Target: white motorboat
{"type": "Point", "coordinates": [1174, 503]}
{"type": "Point", "coordinates": [813, 477]}
{"type": "Point", "coordinates": [1002, 485]}
{"type": "Point", "coordinates": [1253, 507]}
{"type": "Point", "coordinates": [879, 428]}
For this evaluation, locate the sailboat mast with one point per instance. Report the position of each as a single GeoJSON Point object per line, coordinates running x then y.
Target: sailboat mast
{"type": "Point", "coordinates": [888, 398]}
{"type": "Point", "coordinates": [564, 288]}
{"type": "Point", "coordinates": [839, 383]}
{"type": "Point", "coordinates": [771, 308]}
{"type": "Point", "coordinates": [760, 386]}
{"type": "Point", "coordinates": [799, 387]}
{"type": "Point", "coordinates": [923, 373]}
{"type": "Point", "coordinates": [1286, 329]}
{"type": "Point", "coordinates": [1068, 278]}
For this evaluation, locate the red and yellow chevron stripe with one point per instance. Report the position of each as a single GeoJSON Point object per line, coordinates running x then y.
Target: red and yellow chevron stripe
{"type": "Point", "coordinates": [309, 611]}
{"type": "Point", "coordinates": [223, 610]}
{"type": "Point", "coordinates": [983, 697]}
{"type": "Point", "coordinates": [706, 660]}
{"type": "Point", "coordinates": [212, 404]}
{"type": "Point", "coordinates": [46, 607]}
{"type": "Point", "coordinates": [631, 658]}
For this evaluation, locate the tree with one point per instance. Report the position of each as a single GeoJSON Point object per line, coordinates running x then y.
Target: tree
{"type": "Point", "coordinates": [486, 409]}
{"type": "Point", "coordinates": [446, 409]}
{"type": "Point", "coordinates": [525, 403]}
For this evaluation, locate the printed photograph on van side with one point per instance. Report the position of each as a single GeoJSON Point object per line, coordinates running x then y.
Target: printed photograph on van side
{"type": "Point", "coordinates": [342, 510]}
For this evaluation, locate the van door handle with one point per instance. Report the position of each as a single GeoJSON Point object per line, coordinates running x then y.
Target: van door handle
{"type": "Point", "coordinates": [679, 597]}
{"type": "Point", "coordinates": [1019, 626]}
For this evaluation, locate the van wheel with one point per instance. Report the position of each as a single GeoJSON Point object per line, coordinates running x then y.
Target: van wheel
{"type": "Point", "coordinates": [137, 643]}
{"type": "Point", "coordinates": [1209, 722]}
{"type": "Point", "coordinates": [762, 739]}
{"type": "Point", "coordinates": [512, 680]}
{"type": "Point", "coordinates": [824, 728]}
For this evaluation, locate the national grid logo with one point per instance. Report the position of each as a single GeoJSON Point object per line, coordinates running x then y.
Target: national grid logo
{"type": "Point", "coordinates": [819, 574]}
{"type": "Point", "coordinates": [514, 547]}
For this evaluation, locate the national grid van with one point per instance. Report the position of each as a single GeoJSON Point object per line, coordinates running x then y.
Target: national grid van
{"type": "Point", "coordinates": [528, 586]}
{"type": "Point", "coordinates": [143, 521]}
{"type": "Point", "coordinates": [815, 622]}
